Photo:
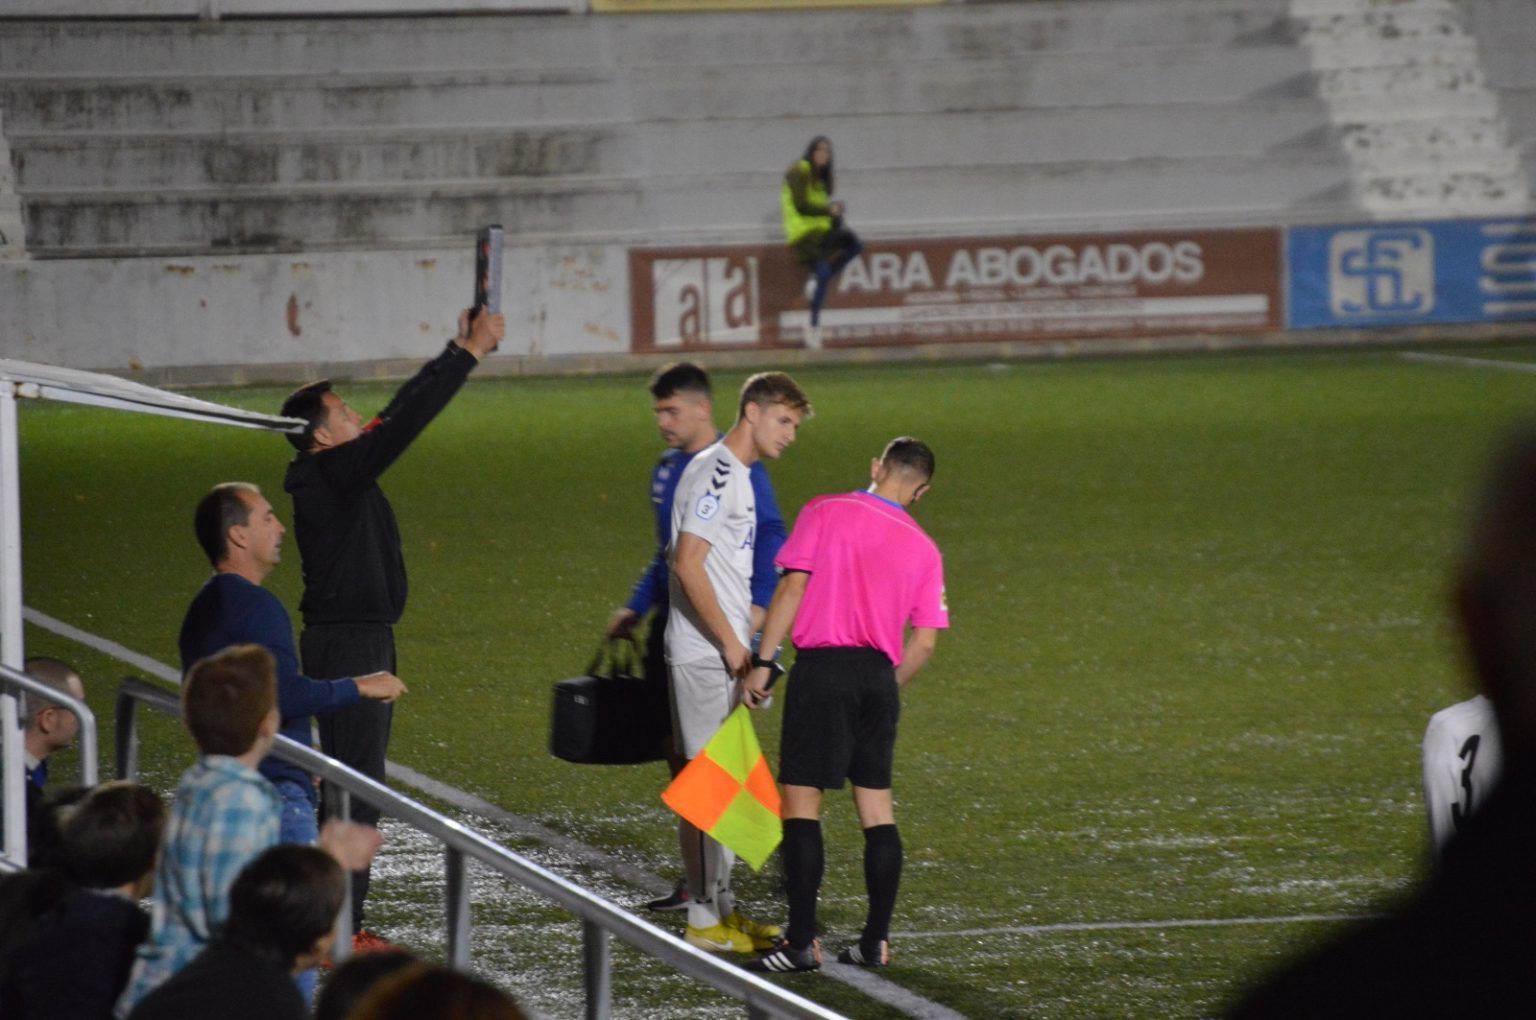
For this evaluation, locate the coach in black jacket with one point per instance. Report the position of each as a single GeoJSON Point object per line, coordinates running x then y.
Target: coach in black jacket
{"type": "Point", "coordinates": [349, 543]}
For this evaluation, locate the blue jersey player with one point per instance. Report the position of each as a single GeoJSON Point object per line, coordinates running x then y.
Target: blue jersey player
{"type": "Point", "coordinates": [680, 396]}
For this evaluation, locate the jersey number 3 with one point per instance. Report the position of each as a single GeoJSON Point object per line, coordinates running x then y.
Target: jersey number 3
{"type": "Point", "coordinates": [1468, 754]}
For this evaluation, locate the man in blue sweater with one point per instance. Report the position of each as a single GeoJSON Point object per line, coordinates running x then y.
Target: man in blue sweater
{"type": "Point", "coordinates": [243, 539]}
{"type": "Point", "coordinates": [681, 398]}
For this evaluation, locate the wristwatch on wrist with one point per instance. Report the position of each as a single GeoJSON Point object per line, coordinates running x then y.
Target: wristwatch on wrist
{"type": "Point", "coordinates": [774, 669]}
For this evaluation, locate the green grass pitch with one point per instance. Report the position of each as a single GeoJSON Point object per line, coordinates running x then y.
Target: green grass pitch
{"type": "Point", "coordinates": [1198, 611]}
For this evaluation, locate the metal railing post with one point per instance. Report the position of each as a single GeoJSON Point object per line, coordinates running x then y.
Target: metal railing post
{"type": "Point", "coordinates": [126, 730]}
{"type": "Point", "coordinates": [341, 800]}
{"type": "Point", "coordinates": [599, 970]}
{"type": "Point", "coordinates": [458, 908]}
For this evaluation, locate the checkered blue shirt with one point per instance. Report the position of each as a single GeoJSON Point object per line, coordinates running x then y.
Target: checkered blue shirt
{"type": "Point", "coordinates": [225, 813]}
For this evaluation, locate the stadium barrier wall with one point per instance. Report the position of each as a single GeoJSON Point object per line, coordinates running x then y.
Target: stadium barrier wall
{"type": "Point", "coordinates": [278, 318]}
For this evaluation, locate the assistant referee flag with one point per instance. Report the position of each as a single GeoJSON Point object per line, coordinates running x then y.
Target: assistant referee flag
{"type": "Point", "coordinates": [729, 794]}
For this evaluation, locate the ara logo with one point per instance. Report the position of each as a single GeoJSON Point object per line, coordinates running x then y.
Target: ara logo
{"type": "Point", "coordinates": [706, 301]}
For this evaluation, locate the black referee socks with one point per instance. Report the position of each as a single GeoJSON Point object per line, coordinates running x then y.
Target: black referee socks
{"type": "Point", "coordinates": [882, 876]}
{"type": "Point", "coordinates": [804, 861]}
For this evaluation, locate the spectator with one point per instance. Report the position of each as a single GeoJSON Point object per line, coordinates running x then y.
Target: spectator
{"type": "Point", "coordinates": [47, 726]}
{"type": "Point", "coordinates": [349, 542]}
{"type": "Point", "coordinates": [282, 918]}
{"type": "Point", "coordinates": [242, 538]}
{"type": "Point", "coordinates": [224, 814]}
{"type": "Point", "coordinates": [25, 896]}
{"type": "Point", "coordinates": [1462, 944]}
{"type": "Point", "coordinates": [813, 226]}
{"type": "Point", "coordinates": [76, 962]}
{"type": "Point", "coordinates": [424, 992]}
{"type": "Point", "coordinates": [355, 978]}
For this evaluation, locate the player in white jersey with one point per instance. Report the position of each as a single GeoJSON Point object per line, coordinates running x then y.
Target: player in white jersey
{"type": "Point", "coordinates": [713, 531]}
{"type": "Point", "coordinates": [1462, 762]}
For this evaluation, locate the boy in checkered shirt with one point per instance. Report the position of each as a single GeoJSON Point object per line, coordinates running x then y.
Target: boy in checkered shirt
{"type": "Point", "coordinates": [224, 814]}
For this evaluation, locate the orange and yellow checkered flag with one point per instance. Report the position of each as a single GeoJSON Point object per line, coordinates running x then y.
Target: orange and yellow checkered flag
{"type": "Point", "coordinates": [728, 792]}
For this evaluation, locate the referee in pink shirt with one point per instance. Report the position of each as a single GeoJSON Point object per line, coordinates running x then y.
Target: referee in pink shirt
{"type": "Point", "coordinates": [858, 573]}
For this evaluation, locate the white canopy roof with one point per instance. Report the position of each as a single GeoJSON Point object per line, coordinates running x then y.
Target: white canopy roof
{"type": "Point", "coordinates": [101, 390]}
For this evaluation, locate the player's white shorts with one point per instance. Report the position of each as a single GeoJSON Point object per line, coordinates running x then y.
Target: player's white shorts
{"type": "Point", "coordinates": [703, 695]}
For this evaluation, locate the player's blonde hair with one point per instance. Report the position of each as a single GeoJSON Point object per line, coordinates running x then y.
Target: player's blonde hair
{"type": "Point", "coordinates": [766, 388]}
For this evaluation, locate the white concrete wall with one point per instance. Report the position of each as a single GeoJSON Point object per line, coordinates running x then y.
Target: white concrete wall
{"type": "Point", "coordinates": [296, 316]}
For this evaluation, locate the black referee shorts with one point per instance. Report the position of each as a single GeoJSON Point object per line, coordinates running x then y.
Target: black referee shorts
{"type": "Point", "coordinates": [840, 713]}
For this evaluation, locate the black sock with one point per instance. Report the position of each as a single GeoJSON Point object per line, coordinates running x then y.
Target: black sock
{"type": "Point", "coordinates": [804, 860]}
{"type": "Point", "coordinates": [882, 876]}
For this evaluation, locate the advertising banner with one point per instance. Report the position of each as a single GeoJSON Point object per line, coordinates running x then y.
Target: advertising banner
{"type": "Point", "coordinates": [1048, 287]}
{"type": "Point", "coordinates": [1407, 274]}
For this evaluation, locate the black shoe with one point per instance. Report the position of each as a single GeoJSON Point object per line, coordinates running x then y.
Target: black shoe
{"type": "Point", "coordinates": [785, 958]}
{"type": "Point", "coordinates": [677, 899]}
{"type": "Point", "coordinates": [855, 955]}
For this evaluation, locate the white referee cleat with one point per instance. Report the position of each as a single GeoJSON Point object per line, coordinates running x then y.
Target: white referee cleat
{"type": "Point", "coordinates": [813, 337]}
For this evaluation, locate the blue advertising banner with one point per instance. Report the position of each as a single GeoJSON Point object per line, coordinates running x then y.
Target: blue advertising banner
{"type": "Point", "coordinates": [1411, 273]}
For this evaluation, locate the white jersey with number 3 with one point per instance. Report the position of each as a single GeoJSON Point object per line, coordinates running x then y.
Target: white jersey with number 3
{"type": "Point", "coordinates": [1462, 762]}
{"type": "Point", "coordinates": [713, 501]}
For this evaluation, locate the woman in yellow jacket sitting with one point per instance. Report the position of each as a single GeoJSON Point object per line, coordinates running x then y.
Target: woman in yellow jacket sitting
{"type": "Point", "coordinates": [813, 225]}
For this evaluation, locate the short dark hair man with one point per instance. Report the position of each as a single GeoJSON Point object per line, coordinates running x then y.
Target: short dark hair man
{"type": "Point", "coordinates": [714, 520]}
{"type": "Point", "coordinates": [242, 538]}
{"type": "Point", "coordinates": [858, 572]}
{"type": "Point", "coordinates": [1462, 945]}
{"type": "Point", "coordinates": [681, 399]}
{"type": "Point", "coordinates": [282, 913]}
{"type": "Point", "coordinates": [349, 542]}
{"type": "Point", "coordinates": [47, 726]}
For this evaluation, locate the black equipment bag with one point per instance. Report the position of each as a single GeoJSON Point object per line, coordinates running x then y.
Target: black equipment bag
{"type": "Point", "coordinates": [611, 716]}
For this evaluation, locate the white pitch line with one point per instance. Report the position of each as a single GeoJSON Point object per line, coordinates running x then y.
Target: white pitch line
{"type": "Point", "coordinates": [1465, 362]}
{"type": "Point", "coordinates": [1053, 929]}
{"type": "Point", "coordinates": [870, 984]}
{"type": "Point", "coordinates": [119, 652]}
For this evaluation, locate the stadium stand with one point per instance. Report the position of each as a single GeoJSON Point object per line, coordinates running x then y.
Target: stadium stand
{"type": "Point", "coordinates": [184, 137]}
{"type": "Point", "coordinates": [1411, 106]}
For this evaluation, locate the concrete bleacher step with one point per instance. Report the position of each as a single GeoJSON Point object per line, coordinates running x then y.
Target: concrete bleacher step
{"type": "Point", "coordinates": [192, 103]}
{"type": "Point", "coordinates": [182, 103]}
{"type": "Point", "coordinates": [1473, 192]}
{"type": "Point", "coordinates": [1130, 77]}
{"type": "Point", "coordinates": [1020, 137]}
{"type": "Point", "coordinates": [340, 216]}
{"type": "Point", "coordinates": [1455, 143]}
{"type": "Point", "coordinates": [284, 47]}
{"type": "Point", "coordinates": [78, 161]}
{"type": "Point", "coordinates": [971, 32]}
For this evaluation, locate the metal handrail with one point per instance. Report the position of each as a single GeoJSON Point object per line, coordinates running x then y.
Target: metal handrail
{"type": "Point", "coordinates": [89, 768]}
{"type": "Point", "coordinates": [599, 917]}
